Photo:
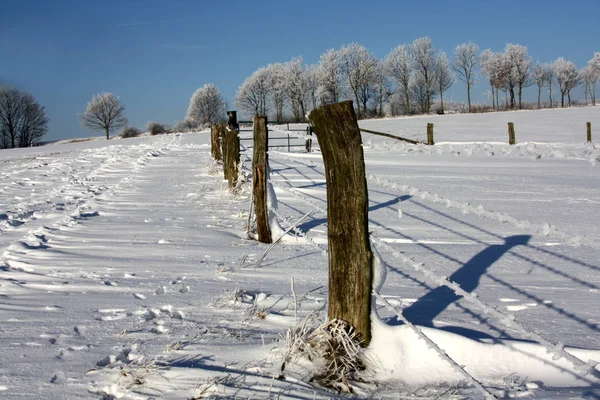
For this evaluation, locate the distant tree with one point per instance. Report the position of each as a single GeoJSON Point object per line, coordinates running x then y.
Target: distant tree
{"type": "Point", "coordinates": [399, 67]}
{"type": "Point", "coordinates": [130, 132]}
{"type": "Point", "coordinates": [104, 112]}
{"type": "Point", "coordinates": [278, 88]}
{"type": "Point", "coordinates": [23, 121]}
{"type": "Point", "coordinates": [465, 60]}
{"type": "Point", "coordinates": [253, 95]}
{"type": "Point", "coordinates": [494, 65]}
{"type": "Point", "coordinates": [359, 67]}
{"type": "Point", "coordinates": [539, 77]}
{"type": "Point", "coordinates": [590, 76]}
{"type": "Point", "coordinates": [424, 61]}
{"type": "Point", "coordinates": [206, 106]}
{"type": "Point", "coordinates": [383, 87]}
{"type": "Point", "coordinates": [444, 78]}
{"type": "Point", "coordinates": [549, 77]}
{"type": "Point", "coordinates": [312, 86]}
{"type": "Point", "coordinates": [421, 93]}
{"type": "Point", "coordinates": [297, 86]}
{"type": "Point", "coordinates": [156, 128]}
{"type": "Point", "coordinates": [595, 61]}
{"type": "Point", "coordinates": [329, 77]}
{"type": "Point", "coordinates": [520, 71]}
{"type": "Point", "coordinates": [187, 125]}
{"type": "Point", "coordinates": [567, 77]}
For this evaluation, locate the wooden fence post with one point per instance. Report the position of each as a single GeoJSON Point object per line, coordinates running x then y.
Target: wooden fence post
{"type": "Point", "coordinates": [215, 145]}
{"type": "Point", "coordinates": [232, 123]}
{"type": "Point", "coordinates": [350, 256]}
{"type": "Point", "coordinates": [511, 133]}
{"type": "Point", "coordinates": [589, 132]}
{"type": "Point", "coordinates": [430, 134]}
{"type": "Point", "coordinates": [259, 179]}
{"type": "Point", "coordinates": [231, 157]}
{"type": "Point", "coordinates": [309, 131]}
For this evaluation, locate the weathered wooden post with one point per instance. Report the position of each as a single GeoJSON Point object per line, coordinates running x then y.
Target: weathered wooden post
{"type": "Point", "coordinates": [232, 123]}
{"type": "Point", "coordinates": [309, 132]}
{"type": "Point", "coordinates": [231, 145]}
{"type": "Point", "coordinates": [589, 132]}
{"type": "Point", "coordinates": [511, 133]}
{"type": "Point", "coordinates": [259, 179]}
{"type": "Point", "coordinates": [215, 145]}
{"type": "Point", "coordinates": [430, 141]}
{"type": "Point", "coordinates": [350, 275]}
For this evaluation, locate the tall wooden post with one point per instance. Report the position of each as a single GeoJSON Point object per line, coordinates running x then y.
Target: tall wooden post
{"type": "Point", "coordinates": [350, 275]}
{"type": "Point", "coordinates": [259, 179]}
{"type": "Point", "coordinates": [430, 134]}
{"type": "Point", "coordinates": [589, 132]}
{"type": "Point", "coordinates": [511, 133]}
{"type": "Point", "coordinates": [215, 145]}
{"type": "Point", "coordinates": [232, 157]}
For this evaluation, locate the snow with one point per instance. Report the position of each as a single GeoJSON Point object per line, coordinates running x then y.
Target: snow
{"type": "Point", "coordinates": [126, 271]}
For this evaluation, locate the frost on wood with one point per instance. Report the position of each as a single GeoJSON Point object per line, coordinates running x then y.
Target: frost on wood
{"type": "Point", "coordinates": [259, 180]}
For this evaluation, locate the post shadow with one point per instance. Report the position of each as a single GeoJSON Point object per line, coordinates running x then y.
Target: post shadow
{"type": "Point", "coordinates": [432, 304]}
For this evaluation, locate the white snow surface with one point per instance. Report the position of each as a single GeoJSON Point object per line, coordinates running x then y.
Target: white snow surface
{"type": "Point", "coordinates": [126, 271]}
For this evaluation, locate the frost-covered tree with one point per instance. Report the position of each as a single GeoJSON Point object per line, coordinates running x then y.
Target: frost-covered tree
{"type": "Point", "coordinates": [278, 88]}
{"type": "Point", "coordinates": [567, 77]}
{"type": "Point", "coordinates": [104, 112]}
{"type": "Point", "coordinates": [595, 61]}
{"type": "Point", "coordinates": [23, 121]}
{"type": "Point", "coordinates": [253, 95]}
{"type": "Point", "coordinates": [465, 60]}
{"type": "Point", "coordinates": [297, 86]}
{"type": "Point", "coordinates": [539, 77]}
{"type": "Point", "coordinates": [329, 77]}
{"type": "Point", "coordinates": [496, 67]}
{"type": "Point", "coordinates": [399, 67]}
{"type": "Point", "coordinates": [549, 77]}
{"type": "Point", "coordinates": [206, 106]}
{"type": "Point", "coordinates": [520, 70]}
{"type": "Point", "coordinates": [590, 76]}
{"type": "Point", "coordinates": [383, 90]}
{"type": "Point", "coordinates": [421, 92]}
{"type": "Point", "coordinates": [424, 61]}
{"type": "Point", "coordinates": [312, 87]}
{"type": "Point", "coordinates": [359, 68]}
{"type": "Point", "coordinates": [444, 77]}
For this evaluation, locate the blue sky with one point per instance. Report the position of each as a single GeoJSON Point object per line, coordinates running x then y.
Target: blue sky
{"type": "Point", "coordinates": [155, 54]}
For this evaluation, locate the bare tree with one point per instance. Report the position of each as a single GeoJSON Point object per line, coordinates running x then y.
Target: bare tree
{"type": "Point", "coordinates": [399, 66]}
{"type": "Point", "coordinates": [329, 77]}
{"type": "Point", "coordinates": [297, 86]}
{"type": "Point", "coordinates": [590, 76]}
{"type": "Point", "coordinates": [567, 77]}
{"type": "Point", "coordinates": [359, 67]}
{"type": "Point", "coordinates": [539, 78]}
{"type": "Point", "coordinates": [383, 87]}
{"type": "Point", "coordinates": [444, 77]}
{"type": "Point", "coordinates": [206, 106]}
{"type": "Point", "coordinates": [421, 93]}
{"type": "Point", "coordinates": [278, 88]}
{"type": "Point", "coordinates": [424, 62]}
{"type": "Point", "coordinates": [253, 95]}
{"type": "Point", "coordinates": [520, 69]}
{"type": "Point", "coordinates": [104, 112]}
{"type": "Point", "coordinates": [465, 60]}
{"type": "Point", "coordinates": [494, 65]}
{"type": "Point", "coordinates": [549, 77]}
{"type": "Point", "coordinates": [312, 87]}
{"type": "Point", "coordinates": [23, 121]}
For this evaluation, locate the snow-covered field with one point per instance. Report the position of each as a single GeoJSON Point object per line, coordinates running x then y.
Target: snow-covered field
{"type": "Point", "coordinates": [126, 271]}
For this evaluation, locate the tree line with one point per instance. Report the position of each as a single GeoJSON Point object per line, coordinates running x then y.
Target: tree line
{"type": "Point", "coordinates": [408, 80]}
